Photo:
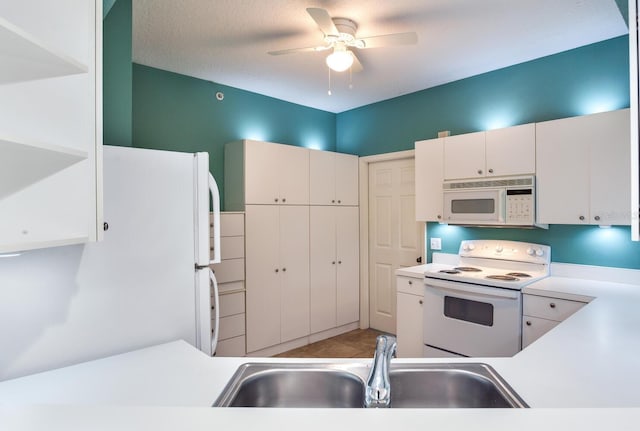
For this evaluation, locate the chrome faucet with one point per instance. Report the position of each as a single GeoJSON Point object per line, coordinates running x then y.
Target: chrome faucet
{"type": "Point", "coordinates": [378, 391]}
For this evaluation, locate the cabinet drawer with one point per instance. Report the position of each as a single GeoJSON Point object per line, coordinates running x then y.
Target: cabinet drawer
{"type": "Point", "coordinates": [549, 308]}
{"type": "Point", "coordinates": [232, 347]}
{"type": "Point", "coordinates": [232, 247]}
{"type": "Point", "coordinates": [230, 287]}
{"type": "Point", "coordinates": [534, 328]}
{"type": "Point", "coordinates": [231, 224]}
{"type": "Point", "coordinates": [413, 286]}
{"type": "Point", "coordinates": [231, 304]}
{"type": "Point", "coordinates": [229, 270]}
{"type": "Point", "coordinates": [231, 326]}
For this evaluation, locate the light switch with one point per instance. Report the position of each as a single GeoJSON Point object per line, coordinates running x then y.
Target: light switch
{"type": "Point", "coordinates": [436, 244]}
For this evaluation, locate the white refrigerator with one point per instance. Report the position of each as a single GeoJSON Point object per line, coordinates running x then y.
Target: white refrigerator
{"type": "Point", "coordinates": [146, 283]}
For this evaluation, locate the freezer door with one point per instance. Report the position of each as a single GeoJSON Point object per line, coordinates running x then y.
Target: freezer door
{"type": "Point", "coordinates": [201, 210]}
{"type": "Point", "coordinates": [205, 280]}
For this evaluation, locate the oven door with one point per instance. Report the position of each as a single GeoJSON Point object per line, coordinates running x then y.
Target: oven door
{"type": "Point", "coordinates": [472, 320]}
{"type": "Point", "coordinates": [474, 206]}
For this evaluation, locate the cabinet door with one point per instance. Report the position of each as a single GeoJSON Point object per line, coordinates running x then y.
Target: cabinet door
{"type": "Point", "coordinates": [293, 175]}
{"type": "Point", "coordinates": [610, 168]}
{"type": "Point", "coordinates": [562, 170]}
{"type": "Point", "coordinates": [294, 271]}
{"type": "Point", "coordinates": [429, 176]}
{"type": "Point", "coordinates": [261, 173]}
{"type": "Point", "coordinates": [464, 156]}
{"type": "Point", "coordinates": [322, 177]}
{"type": "Point", "coordinates": [346, 179]}
{"type": "Point", "coordinates": [348, 275]}
{"type": "Point", "coordinates": [511, 151]}
{"type": "Point", "coordinates": [534, 328]}
{"type": "Point", "coordinates": [323, 264]}
{"type": "Point", "coordinates": [409, 324]}
{"type": "Point", "coordinates": [263, 296]}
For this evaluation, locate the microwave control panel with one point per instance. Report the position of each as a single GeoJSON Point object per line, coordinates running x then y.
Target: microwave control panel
{"type": "Point", "coordinates": [520, 206]}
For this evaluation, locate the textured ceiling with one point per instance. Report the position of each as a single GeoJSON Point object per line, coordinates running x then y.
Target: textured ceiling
{"type": "Point", "coordinates": [227, 41]}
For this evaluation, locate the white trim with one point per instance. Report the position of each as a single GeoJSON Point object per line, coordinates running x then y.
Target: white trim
{"type": "Point", "coordinates": [364, 225]}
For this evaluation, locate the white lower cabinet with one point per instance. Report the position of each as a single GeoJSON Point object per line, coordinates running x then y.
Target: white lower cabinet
{"type": "Point", "coordinates": [334, 267]}
{"type": "Point", "coordinates": [277, 274]}
{"type": "Point", "coordinates": [543, 313]}
{"type": "Point", "coordinates": [409, 329]}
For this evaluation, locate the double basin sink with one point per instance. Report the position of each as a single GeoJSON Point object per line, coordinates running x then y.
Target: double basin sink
{"type": "Point", "coordinates": [326, 385]}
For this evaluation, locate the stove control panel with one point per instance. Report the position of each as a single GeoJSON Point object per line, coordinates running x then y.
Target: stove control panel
{"type": "Point", "coordinates": [506, 250]}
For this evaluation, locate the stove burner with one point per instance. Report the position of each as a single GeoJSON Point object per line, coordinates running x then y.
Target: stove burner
{"type": "Point", "coordinates": [467, 269]}
{"type": "Point", "coordinates": [518, 274]}
{"type": "Point", "coordinates": [502, 277]}
{"type": "Point", "coordinates": [449, 271]}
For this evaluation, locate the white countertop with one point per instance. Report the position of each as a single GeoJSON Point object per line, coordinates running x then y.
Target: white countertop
{"type": "Point", "coordinates": [589, 360]}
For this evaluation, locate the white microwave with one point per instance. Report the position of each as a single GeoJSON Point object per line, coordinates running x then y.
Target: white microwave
{"type": "Point", "coordinates": [509, 201]}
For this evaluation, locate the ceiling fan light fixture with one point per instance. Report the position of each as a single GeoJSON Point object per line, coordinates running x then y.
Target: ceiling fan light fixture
{"type": "Point", "coordinates": [340, 60]}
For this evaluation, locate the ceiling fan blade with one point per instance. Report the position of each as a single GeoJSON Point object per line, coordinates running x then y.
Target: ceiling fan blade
{"type": "Point", "coordinates": [387, 40]}
{"type": "Point", "coordinates": [324, 21]}
{"type": "Point", "coordinates": [356, 66]}
{"type": "Point", "coordinates": [298, 50]}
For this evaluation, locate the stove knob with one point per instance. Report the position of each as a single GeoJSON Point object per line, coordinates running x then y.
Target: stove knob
{"type": "Point", "coordinates": [531, 251]}
{"type": "Point", "coordinates": [539, 252]}
{"type": "Point", "coordinates": [499, 249]}
{"type": "Point", "coordinates": [471, 246]}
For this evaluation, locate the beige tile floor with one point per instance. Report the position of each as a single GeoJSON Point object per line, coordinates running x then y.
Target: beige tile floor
{"type": "Point", "coordinates": [355, 344]}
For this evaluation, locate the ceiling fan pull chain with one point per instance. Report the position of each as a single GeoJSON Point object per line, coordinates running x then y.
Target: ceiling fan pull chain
{"type": "Point", "coordinates": [351, 78]}
{"type": "Point", "coordinates": [329, 92]}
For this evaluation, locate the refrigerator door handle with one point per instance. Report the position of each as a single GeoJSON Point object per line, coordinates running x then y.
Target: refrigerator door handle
{"type": "Point", "coordinates": [215, 195]}
{"type": "Point", "coordinates": [216, 329]}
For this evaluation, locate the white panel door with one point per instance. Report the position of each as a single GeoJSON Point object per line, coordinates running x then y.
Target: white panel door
{"type": "Point", "coordinates": [322, 177]}
{"type": "Point", "coordinates": [348, 266]}
{"type": "Point", "coordinates": [429, 178]}
{"type": "Point", "coordinates": [394, 236]}
{"type": "Point", "coordinates": [511, 151]}
{"type": "Point", "coordinates": [262, 276]}
{"type": "Point", "coordinates": [464, 156]}
{"type": "Point", "coordinates": [323, 264]}
{"type": "Point", "coordinates": [294, 271]}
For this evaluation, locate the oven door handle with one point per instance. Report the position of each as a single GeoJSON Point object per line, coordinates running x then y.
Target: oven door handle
{"type": "Point", "coordinates": [487, 292]}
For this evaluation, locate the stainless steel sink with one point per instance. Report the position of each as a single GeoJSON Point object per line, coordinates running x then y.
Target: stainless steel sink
{"type": "Point", "coordinates": [445, 385]}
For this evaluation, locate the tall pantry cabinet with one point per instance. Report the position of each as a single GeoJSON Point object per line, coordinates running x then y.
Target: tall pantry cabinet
{"type": "Point", "coordinates": [302, 274]}
{"type": "Point", "coordinates": [50, 123]}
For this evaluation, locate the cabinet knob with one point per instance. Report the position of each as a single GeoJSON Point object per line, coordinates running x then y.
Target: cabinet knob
{"type": "Point", "coordinates": [339, 262]}
{"type": "Point", "coordinates": [410, 282]}
{"type": "Point", "coordinates": [479, 171]}
{"type": "Point", "coordinates": [596, 218]}
{"type": "Point", "coordinates": [552, 305]}
{"type": "Point", "coordinates": [284, 269]}
{"type": "Point", "coordinates": [581, 217]}
{"type": "Point", "coordinates": [339, 201]}
{"type": "Point", "coordinates": [276, 199]}
{"type": "Point", "coordinates": [528, 322]}
{"type": "Point", "coordinates": [277, 270]}
{"type": "Point", "coordinates": [284, 199]}
{"type": "Point", "coordinates": [439, 217]}
{"type": "Point", "coordinates": [333, 201]}
{"type": "Point", "coordinates": [421, 302]}
{"type": "Point", "coordinates": [333, 263]}
{"type": "Point", "coordinates": [491, 170]}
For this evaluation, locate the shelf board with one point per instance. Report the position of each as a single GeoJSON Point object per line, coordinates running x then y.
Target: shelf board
{"type": "Point", "coordinates": [25, 58]}
{"type": "Point", "coordinates": [23, 164]}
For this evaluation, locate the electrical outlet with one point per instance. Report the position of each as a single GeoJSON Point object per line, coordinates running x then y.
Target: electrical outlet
{"type": "Point", "coordinates": [436, 244]}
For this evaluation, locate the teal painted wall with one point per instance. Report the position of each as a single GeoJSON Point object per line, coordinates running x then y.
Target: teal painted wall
{"type": "Point", "coordinates": [180, 113]}
{"type": "Point", "coordinates": [117, 75]}
{"type": "Point", "coordinates": [577, 82]}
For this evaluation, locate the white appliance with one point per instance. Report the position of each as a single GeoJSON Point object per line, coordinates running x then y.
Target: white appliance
{"type": "Point", "coordinates": [474, 309]}
{"type": "Point", "coordinates": [148, 282]}
{"type": "Point", "coordinates": [508, 201]}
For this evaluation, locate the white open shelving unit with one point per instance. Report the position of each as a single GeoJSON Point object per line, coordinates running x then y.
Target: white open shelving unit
{"type": "Point", "coordinates": [50, 124]}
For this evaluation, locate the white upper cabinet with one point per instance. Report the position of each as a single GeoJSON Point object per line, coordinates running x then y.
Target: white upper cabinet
{"type": "Point", "coordinates": [429, 176]}
{"type": "Point", "coordinates": [511, 151]}
{"type": "Point", "coordinates": [464, 156]}
{"type": "Point", "coordinates": [50, 123]}
{"type": "Point", "coordinates": [333, 178]}
{"type": "Point", "coordinates": [583, 169]}
{"type": "Point", "coordinates": [263, 173]}
{"type": "Point", "coordinates": [499, 152]}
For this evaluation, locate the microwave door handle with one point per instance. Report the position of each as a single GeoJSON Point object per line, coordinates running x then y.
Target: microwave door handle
{"type": "Point", "coordinates": [499, 293]}
{"type": "Point", "coordinates": [502, 206]}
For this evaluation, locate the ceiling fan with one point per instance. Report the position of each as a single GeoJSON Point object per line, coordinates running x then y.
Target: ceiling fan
{"type": "Point", "coordinates": [340, 36]}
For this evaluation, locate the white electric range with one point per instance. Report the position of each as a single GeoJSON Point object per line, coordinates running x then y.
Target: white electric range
{"type": "Point", "coordinates": [474, 309]}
